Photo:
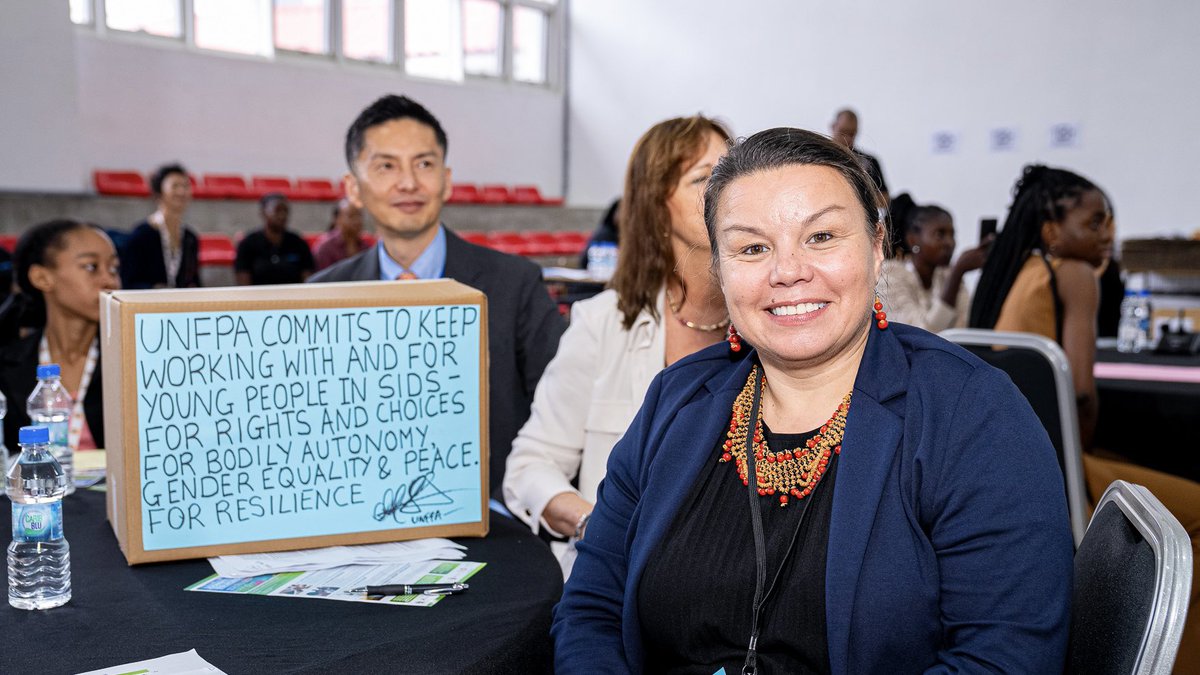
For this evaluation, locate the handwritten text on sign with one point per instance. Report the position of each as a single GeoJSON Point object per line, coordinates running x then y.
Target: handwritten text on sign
{"type": "Point", "coordinates": [272, 424]}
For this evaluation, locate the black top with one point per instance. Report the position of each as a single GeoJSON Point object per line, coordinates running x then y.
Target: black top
{"type": "Point", "coordinates": [6, 273]}
{"type": "Point", "coordinates": [271, 264]}
{"type": "Point", "coordinates": [697, 591]}
{"type": "Point", "coordinates": [142, 264]}
{"type": "Point", "coordinates": [18, 377]}
{"type": "Point", "coordinates": [874, 170]}
{"type": "Point", "coordinates": [1112, 292]}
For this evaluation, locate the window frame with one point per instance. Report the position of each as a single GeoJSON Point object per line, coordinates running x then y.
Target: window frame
{"type": "Point", "coordinates": [332, 50]}
{"type": "Point", "coordinates": [99, 24]}
{"type": "Point", "coordinates": [554, 54]}
{"type": "Point", "coordinates": [505, 56]}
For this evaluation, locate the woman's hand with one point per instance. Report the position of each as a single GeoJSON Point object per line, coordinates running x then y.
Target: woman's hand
{"type": "Point", "coordinates": [972, 258]}
{"type": "Point", "coordinates": [564, 511]}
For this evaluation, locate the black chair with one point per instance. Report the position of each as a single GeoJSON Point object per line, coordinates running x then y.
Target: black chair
{"type": "Point", "coordinates": [1039, 368]}
{"type": "Point", "coordinates": [1133, 575]}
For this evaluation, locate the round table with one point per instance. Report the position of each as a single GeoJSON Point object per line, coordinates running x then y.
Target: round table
{"type": "Point", "coordinates": [121, 614]}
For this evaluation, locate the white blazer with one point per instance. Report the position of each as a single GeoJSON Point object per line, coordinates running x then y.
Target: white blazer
{"type": "Point", "coordinates": [585, 400]}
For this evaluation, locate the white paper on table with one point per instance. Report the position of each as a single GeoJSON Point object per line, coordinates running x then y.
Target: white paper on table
{"type": "Point", "coordinates": [183, 663]}
{"type": "Point", "coordinates": [346, 583]}
{"type": "Point", "coordinates": [256, 564]}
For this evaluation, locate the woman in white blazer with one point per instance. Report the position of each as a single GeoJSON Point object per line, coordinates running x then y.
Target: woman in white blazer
{"type": "Point", "coordinates": [662, 304]}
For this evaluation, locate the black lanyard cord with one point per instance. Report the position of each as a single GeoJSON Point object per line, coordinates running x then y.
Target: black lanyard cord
{"type": "Point", "coordinates": [750, 667]}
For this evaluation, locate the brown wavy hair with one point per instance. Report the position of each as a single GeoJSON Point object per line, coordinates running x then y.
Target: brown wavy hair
{"type": "Point", "coordinates": [658, 161]}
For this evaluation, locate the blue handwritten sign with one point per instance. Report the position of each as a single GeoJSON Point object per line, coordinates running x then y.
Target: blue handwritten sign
{"type": "Point", "coordinates": [274, 424]}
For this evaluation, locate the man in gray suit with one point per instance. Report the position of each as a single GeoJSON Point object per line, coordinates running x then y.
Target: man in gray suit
{"type": "Point", "coordinates": [396, 151]}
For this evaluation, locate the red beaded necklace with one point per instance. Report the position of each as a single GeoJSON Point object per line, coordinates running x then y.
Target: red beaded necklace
{"type": "Point", "coordinates": [793, 473]}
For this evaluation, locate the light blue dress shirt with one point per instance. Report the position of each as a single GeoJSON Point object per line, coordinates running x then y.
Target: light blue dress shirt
{"type": "Point", "coordinates": [431, 264]}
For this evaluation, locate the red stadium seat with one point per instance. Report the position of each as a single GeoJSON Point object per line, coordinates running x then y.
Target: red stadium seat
{"type": "Point", "coordinates": [261, 185]}
{"type": "Point", "coordinates": [530, 194]}
{"type": "Point", "coordinates": [216, 250]}
{"type": "Point", "coordinates": [541, 243]}
{"type": "Point", "coordinates": [479, 238]}
{"type": "Point", "coordinates": [227, 185]}
{"type": "Point", "coordinates": [571, 243]}
{"type": "Point", "coordinates": [120, 183]}
{"type": "Point", "coordinates": [463, 193]}
{"type": "Point", "coordinates": [311, 238]}
{"type": "Point", "coordinates": [315, 189]}
{"type": "Point", "coordinates": [526, 194]}
{"type": "Point", "coordinates": [510, 242]}
{"type": "Point", "coordinates": [8, 242]}
{"type": "Point", "coordinates": [494, 194]}
{"type": "Point", "coordinates": [201, 192]}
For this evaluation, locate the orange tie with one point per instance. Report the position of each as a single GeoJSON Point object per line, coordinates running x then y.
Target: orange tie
{"type": "Point", "coordinates": [405, 276]}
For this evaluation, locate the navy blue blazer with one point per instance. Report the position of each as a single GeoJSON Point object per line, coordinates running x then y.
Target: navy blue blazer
{"type": "Point", "coordinates": [949, 545]}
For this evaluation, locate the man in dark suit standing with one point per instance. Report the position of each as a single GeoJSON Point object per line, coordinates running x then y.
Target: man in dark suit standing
{"type": "Point", "coordinates": [844, 130]}
{"type": "Point", "coordinates": [396, 151]}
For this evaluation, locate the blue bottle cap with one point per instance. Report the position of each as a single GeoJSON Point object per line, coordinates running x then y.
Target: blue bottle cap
{"type": "Point", "coordinates": [33, 435]}
{"type": "Point", "coordinates": [48, 370]}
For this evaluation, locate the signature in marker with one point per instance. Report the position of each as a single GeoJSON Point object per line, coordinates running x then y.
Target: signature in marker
{"type": "Point", "coordinates": [409, 499]}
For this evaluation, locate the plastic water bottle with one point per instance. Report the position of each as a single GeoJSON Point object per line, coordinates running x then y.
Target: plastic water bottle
{"type": "Point", "coordinates": [1144, 341]}
{"type": "Point", "coordinates": [1133, 332]}
{"type": "Point", "coordinates": [39, 559]}
{"type": "Point", "coordinates": [3, 412]}
{"type": "Point", "coordinates": [50, 406]}
{"type": "Point", "coordinates": [602, 259]}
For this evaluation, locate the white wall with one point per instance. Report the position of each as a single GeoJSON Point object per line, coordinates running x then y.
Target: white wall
{"type": "Point", "coordinates": [134, 104]}
{"type": "Point", "coordinates": [1124, 72]}
{"type": "Point", "coordinates": [39, 135]}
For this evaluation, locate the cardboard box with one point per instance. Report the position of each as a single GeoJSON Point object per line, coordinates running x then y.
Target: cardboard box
{"type": "Point", "coordinates": [252, 419]}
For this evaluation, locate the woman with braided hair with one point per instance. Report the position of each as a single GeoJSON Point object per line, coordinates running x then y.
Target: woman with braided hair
{"type": "Point", "coordinates": [1040, 277]}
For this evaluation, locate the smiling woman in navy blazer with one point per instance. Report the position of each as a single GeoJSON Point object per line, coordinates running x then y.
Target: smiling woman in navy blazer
{"type": "Point", "coordinates": [846, 496]}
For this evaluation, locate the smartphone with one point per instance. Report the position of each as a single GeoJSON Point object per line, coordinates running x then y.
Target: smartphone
{"type": "Point", "coordinates": [987, 228]}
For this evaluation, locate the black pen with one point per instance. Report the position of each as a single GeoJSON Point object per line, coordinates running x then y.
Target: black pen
{"type": "Point", "coordinates": [413, 589]}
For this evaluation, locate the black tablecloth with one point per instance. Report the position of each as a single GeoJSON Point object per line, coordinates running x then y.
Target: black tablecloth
{"type": "Point", "coordinates": [120, 614]}
{"type": "Point", "coordinates": [1150, 422]}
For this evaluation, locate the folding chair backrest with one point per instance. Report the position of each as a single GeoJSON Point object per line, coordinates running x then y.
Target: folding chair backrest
{"type": "Point", "coordinates": [1133, 575]}
{"type": "Point", "coordinates": [1039, 369]}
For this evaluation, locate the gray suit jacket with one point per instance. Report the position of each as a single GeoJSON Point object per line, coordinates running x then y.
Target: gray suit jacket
{"type": "Point", "coordinates": [523, 330]}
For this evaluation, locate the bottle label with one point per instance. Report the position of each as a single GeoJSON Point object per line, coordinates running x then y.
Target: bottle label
{"type": "Point", "coordinates": [36, 522]}
{"type": "Point", "coordinates": [58, 433]}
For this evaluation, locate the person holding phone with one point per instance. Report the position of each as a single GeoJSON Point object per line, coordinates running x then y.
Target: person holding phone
{"type": "Point", "coordinates": [923, 288]}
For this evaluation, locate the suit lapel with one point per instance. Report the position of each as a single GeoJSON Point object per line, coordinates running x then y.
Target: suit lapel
{"type": "Point", "coordinates": [873, 433]}
{"type": "Point", "coordinates": [462, 261]}
{"type": "Point", "coordinates": [686, 443]}
{"type": "Point", "coordinates": [367, 267]}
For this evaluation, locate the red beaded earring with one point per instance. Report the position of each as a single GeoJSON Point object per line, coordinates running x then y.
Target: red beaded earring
{"type": "Point", "coordinates": [880, 315]}
{"type": "Point", "coordinates": [735, 340]}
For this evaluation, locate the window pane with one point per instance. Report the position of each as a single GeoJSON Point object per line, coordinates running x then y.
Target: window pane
{"type": "Point", "coordinates": [300, 26]}
{"type": "Point", "coordinates": [482, 29]}
{"type": "Point", "coordinates": [156, 17]}
{"type": "Point", "coordinates": [529, 44]}
{"type": "Point", "coordinates": [81, 11]}
{"type": "Point", "coordinates": [432, 45]}
{"type": "Point", "coordinates": [367, 30]}
{"type": "Point", "coordinates": [241, 26]}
